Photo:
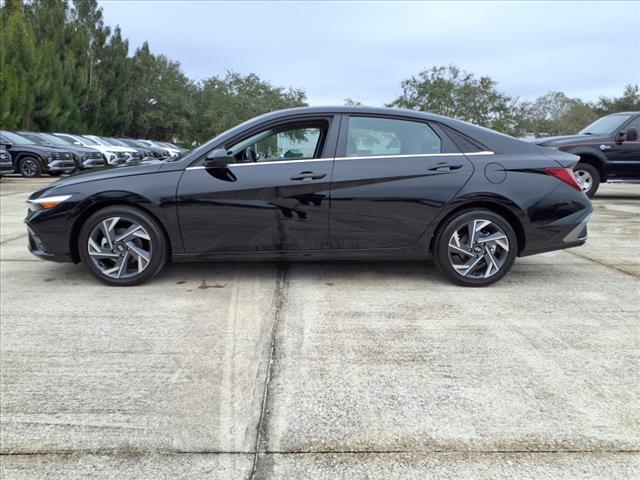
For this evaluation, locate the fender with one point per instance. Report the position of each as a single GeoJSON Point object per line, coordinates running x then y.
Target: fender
{"type": "Point", "coordinates": [593, 152]}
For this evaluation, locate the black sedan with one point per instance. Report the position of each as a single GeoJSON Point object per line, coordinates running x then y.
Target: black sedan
{"type": "Point", "coordinates": [321, 183]}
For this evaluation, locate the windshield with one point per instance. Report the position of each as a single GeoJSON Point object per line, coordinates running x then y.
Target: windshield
{"type": "Point", "coordinates": [35, 138]}
{"type": "Point", "coordinates": [89, 141]}
{"type": "Point", "coordinates": [54, 140]}
{"type": "Point", "coordinates": [605, 125]}
{"type": "Point", "coordinates": [107, 141]}
{"type": "Point", "coordinates": [17, 139]}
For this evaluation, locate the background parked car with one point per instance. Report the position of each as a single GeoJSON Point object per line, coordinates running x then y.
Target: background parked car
{"type": "Point", "coordinates": [113, 155]}
{"type": "Point", "coordinates": [608, 150]}
{"type": "Point", "coordinates": [130, 154]}
{"type": "Point", "coordinates": [172, 149]}
{"type": "Point", "coordinates": [32, 160]}
{"type": "Point", "coordinates": [6, 164]}
{"type": "Point", "coordinates": [85, 157]}
{"type": "Point", "coordinates": [156, 152]}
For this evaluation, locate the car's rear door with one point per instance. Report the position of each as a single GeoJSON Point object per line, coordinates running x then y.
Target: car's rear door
{"type": "Point", "coordinates": [275, 197]}
{"type": "Point", "coordinates": [391, 176]}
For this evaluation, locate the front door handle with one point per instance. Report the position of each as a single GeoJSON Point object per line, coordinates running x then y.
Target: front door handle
{"type": "Point", "coordinates": [445, 168]}
{"type": "Point", "coordinates": [308, 176]}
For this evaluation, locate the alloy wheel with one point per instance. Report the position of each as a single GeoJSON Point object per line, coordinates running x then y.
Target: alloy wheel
{"type": "Point", "coordinates": [585, 180]}
{"type": "Point", "coordinates": [120, 247]}
{"type": "Point", "coordinates": [29, 167]}
{"type": "Point", "coordinates": [478, 249]}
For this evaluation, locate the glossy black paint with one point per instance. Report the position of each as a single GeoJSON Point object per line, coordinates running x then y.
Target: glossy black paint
{"type": "Point", "coordinates": [19, 151]}
{"type": "Point", "coordinates": [331, 206]}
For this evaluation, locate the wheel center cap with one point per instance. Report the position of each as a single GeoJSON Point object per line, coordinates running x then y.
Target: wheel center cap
{"type": "Point", "coordinates": [120, 247]}
{"type": "Point", "coordinates": [477, 249]}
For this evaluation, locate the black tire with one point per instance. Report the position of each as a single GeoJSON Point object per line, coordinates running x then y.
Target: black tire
{"type": "Point", "coordinates": [29, 167]}
{"type": "Point", "coordinates": [441, 253]}
{"type": "Point", "coordinates": [157, 248]}
{"type": "Point", "coordinates": [584, 171]}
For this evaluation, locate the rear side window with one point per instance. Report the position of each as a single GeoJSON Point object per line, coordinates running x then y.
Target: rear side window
{"type": "Point", "coordinates": [374, 137]}
{"type": "Point", "coordinates": [463, 142]}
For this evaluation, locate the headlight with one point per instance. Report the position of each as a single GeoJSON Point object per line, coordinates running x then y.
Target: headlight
{"type": "Point", "coordinates": [47, 202]}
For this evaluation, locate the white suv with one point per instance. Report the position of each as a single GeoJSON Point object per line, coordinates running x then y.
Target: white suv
{"type": "Point", "coordinates": [113, 155]}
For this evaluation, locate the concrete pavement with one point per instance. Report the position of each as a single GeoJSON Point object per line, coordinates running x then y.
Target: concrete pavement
{"type": "Point", "coordinates": [334, 370]}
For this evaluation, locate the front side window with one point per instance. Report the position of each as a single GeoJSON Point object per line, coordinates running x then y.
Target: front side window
{"type": "Point", "coordinates": [373, 137]}
{"type": "Point", "coordinates": [606, 125]}
{"type": "Point", "coordinates": [288, 142]}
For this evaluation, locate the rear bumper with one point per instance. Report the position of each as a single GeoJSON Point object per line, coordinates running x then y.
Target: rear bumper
{"type": "Point", "coordinates": [567, 232]}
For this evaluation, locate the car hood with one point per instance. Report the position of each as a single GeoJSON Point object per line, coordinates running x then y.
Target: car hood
{"type": "Point", "coordinates": [111, 171]}
{"type": "Point", "coordinates": [566, 140]}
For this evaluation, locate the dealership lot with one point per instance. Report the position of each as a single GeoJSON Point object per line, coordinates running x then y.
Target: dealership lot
{"type": "Point", "coordinates": [347, 370]}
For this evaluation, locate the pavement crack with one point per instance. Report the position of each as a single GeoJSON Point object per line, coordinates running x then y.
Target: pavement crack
{"type": "Point", "coordinates": [602, 264]}
{"type": "Point", "coordinates": [280, 296]}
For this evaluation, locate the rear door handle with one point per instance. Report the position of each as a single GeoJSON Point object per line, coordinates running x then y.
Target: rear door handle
{"type": "Point", "coordinates": [308, 176]}
{"type": "Point", "coordinates": [445, 168]}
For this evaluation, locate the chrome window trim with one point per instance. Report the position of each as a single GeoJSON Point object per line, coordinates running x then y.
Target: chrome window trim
{"type": "Point", "coordinates": [413, 155]}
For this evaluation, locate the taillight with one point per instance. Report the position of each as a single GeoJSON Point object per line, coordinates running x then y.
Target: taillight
{"type": "Point", "coordinates": [566, 175]}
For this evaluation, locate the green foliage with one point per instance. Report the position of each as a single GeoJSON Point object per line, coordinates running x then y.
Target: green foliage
{"type": "Point", "coordinates": [62, 69]}
{"type": "Point", "coordinates": [455, 93]}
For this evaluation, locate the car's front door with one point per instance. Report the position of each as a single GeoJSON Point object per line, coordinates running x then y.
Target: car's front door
{"type": "Point", "coordinates": [274, 196]}
{"type": "Point", "coordinates": [624, 155]}
{"type": "Point", "coordinates": [390, 178]}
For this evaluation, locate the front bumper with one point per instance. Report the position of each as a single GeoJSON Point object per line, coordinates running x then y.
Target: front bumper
{"type": "Point", "coordinates": [41, 250]}
{"type": "Point", "coordinates": [61, 166]}
{"type": "Point", "coordinates": [6, 167]}
{"type": "Point", "coordinates": [93, 163]}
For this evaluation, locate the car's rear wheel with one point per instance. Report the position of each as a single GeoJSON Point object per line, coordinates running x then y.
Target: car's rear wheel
{"type": "Point", "coordinates": [588, 178]}
{"type": "Point", "coordinates": [122, 246]}
{"type": "Point", "coordinates": [475, 248]}
{"type": "Point", "coordinates": [29, 167]}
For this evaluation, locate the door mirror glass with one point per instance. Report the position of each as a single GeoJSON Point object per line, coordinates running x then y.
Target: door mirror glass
{"type": "Point", "coordinates": [632, 135]}
{"type": "Point", "coordinates": [218, 158]}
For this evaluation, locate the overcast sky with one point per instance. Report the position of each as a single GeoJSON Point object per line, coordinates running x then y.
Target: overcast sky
{"type": "Point", "coordinates": [363, 50]}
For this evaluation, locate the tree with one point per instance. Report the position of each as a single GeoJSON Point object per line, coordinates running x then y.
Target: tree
{"type": "Point", "coordinates": [161, 100]}
{"type": "Point", "coordinates": [17, 62]}
{"type": "Point", "coordinates": [556, 114]}
{"type": "Point", "coordinates": [629, 101]}
{"type": "Point", "coordinates": [455, 93]}
{"type": "Point", "coordinates": [222, 103]}
{"type": "Point", "coordinates": [350, 102]}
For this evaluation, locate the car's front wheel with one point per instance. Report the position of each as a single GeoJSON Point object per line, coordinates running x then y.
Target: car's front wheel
{"type": "Point", "coordinates": [588, 178]}
{"type": "Point", "coordinates": [475, 248]}
{"type": "Point", "coordinates": [29, 167]}
{"type": "Point", "coordinates": [122, 246]}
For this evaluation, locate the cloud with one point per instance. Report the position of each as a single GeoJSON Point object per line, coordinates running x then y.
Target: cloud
{"type": "Point", "coordinates": [363, 50]}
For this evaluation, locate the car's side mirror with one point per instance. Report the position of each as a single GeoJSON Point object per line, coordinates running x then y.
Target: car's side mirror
{"type": "Point", "coordinates": [7, 144]}
{"type": "Point", "coordinates": [632, 135]}
{"type": "Point", "coordinates": [218, 158]}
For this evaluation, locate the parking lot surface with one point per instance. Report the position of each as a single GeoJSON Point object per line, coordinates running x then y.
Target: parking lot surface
{"type": "Point", "coordinates": [324, 370]}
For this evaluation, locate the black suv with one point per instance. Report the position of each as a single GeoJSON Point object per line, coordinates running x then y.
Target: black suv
{"type": "Point", "coordinates": [32, 160]}
{"type": "Point", "coordinates": [6, 165]}
{"type": "Point", "coordinates": [608, 148]}
{"type": "Point", "coordinates": [85, 157]}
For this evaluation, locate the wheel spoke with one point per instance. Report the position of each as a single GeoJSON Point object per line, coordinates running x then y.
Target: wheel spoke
{"type": "Point", "coordinates": [491, 262]}
{"type": "Point", "coordinates": [468, 266]}
{"type": "Point", "coordinates": [133, 231]}
{"type": "Point", "coordinates": [96, 250]}
{"type": "Point", "coordinates": [107, 229]}
{"type": "Point", "coordinates": [124, 260]}
{"type": "Point", "coordinates": [143, 257]}
{"type": "Point", "coordinates": [498, 238]}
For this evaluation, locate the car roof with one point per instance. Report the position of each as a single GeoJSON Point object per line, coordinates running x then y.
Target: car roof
{"type": "Point", "coordinates": [495, 141]}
